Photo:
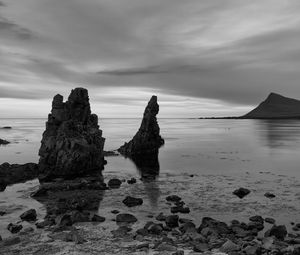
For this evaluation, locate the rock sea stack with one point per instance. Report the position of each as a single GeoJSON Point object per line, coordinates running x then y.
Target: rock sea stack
{"type": "Point", "coordinates": [147, 140]}
{"type": "Point", "coordinates": [72, 144]}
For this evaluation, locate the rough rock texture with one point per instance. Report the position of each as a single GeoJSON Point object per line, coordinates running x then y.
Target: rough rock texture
{"type": "Point", "coordinates": [147, 140]}
{"type": "Point", "coordinates": [14, 173]}
{"type": "Point", "coordinates": [72, 144]}
{"type": "Point", "coordinates": [4, 142]}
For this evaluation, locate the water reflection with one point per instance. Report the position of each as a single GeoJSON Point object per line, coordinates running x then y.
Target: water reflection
{"type": "Point", "coordinates": [148, 168]}
{"type": "Point", "coordinates": [58, 201]}
{"type": "Point", "coordinates": [279, 133]}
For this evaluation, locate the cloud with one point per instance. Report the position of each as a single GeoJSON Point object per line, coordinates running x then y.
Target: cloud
{"type": "Point", "coordinates": [231, 51]}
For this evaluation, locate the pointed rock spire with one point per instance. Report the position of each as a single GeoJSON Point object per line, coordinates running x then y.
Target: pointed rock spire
{"type": "Point", "coordinates": [147, 140]}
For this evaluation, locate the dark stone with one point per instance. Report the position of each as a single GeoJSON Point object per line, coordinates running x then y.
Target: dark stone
{"type": "Point", "coordinates": [180, 209]}
{"type": "Point", "coordinates": [173, 198]}
{"type": "Point", "coordinates": [280, 232]}
{"type": "Point", "coordinates": [147, 140]}
{"type": "Point", "coordinates": [269, 195]}
{"type": "Point", "coordinates": [132, 201]}
{"type": "Point", "coordinates": [114, 211]}
{"type": "Point", "coordinates": [15, 173]}
{"type": "Point", "coordinates": [29, 215]}
{"type": "Point", "coordinates": [187, 226]}
{"type": "Point", "coordinates": [172, 221]}
{"type": "Point", "coordinates": [72, 144]}
{"type": "Point", "coordinates": [126, 217]}
{"type": "Point", "coordinates": [155, 229]}
{"type": "Point", "coordinates": [131, 181]}
{"type": "Point", "coordinates": [14, 228]}
{"type": "Point", "coordinates": [270, 220]}
{"type": "Point", "coordinates": [2, 213]}
{"type": "Point", "coordinates": [257, 218]}
{"type": "Point", "coordinates": [114, 183]}
{"type": "Point", "coordinates": [241, 192]}
{"type": "Point", "coordinates": [160, 217]}
{"type": "Point", "coordinates": [4, 142]}
{"type": "Point", "coordinates": [97, 218]}
{"type": "Point", "coordinates": [6, 127]}
{"type": "Point", "coordinates": [218, 227]}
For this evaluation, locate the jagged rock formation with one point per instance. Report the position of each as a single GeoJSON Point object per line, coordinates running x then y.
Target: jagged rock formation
{"type": "Point", "coordinates": [72, 144]}
{"type": "Point", "coordinates": [147, 140]}
{"type": "Point", "coordinates": [276, 106]}
{"type": "Point", "coordinates": [14, 173]}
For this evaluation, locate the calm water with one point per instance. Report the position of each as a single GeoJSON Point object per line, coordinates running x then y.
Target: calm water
{"type": "Point", "coordinates": [262, 155]}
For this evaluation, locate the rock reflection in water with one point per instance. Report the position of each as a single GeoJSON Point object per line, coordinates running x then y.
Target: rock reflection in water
{"type": "Point", "coordinates": [278, 133]}
{"type": "Point", "coordinates": [66, 196]}
{"type": "Point", "coordinates": [148, 168]}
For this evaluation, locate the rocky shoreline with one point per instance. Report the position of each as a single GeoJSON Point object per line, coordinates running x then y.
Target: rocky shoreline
{"type": "Point", "coordinates": [72, 187]}
{"type": "Point", "coordinates": [73, 226]}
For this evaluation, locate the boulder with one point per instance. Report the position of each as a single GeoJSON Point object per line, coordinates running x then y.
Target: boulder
{"type": "Point", "coordinates": [172, 221]}
{"type": "Point", "coordinates": [72, 144]}
{"type": "Point", "coordinates": [280, 232]}
{"type": "Point", "coordinates": [269, 195]}
{"type": "Point", "coordinates": [14, 228]}
{"type": "Point", "coordinates": [147, 140]}
{"type": "Point", "coordinates": [126, 217]}
{"type": "Point", "coordinates": [241, 192]}
{"type": "Point", "coordinates": [29, 215]}
{"type": "Point", "coordinates": [131, 181]}
{"type": "Point", "coordinates": [173, 198]}
{"type": "Point", "coordinates": [132, 201]}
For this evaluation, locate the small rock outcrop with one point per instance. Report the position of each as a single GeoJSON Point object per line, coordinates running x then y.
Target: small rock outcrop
{"type": "Point", "coordinates": [147, 140]}
{"type": "Point", "coordinates": [72, 144]}
{"type": "Point", "coordinates": [4, 142]}
{"type": "Point", "coordinates": [14, 173]}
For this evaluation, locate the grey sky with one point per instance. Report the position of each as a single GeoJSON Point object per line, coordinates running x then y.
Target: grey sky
{"type": "Point", "coordinates": [208, 57]}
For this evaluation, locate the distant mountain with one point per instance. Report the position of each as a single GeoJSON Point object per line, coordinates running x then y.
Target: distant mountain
{"type": "Point", "coordinates": [275, 107]}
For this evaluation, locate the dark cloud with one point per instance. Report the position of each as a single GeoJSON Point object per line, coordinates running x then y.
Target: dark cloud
{"type": "Point", "coordinates": [232, 51]}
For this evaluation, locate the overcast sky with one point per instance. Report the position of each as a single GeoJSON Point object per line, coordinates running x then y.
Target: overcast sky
{"type": "Point", "coordinates": [201, 57]}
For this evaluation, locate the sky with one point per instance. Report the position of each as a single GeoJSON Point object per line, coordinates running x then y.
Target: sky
{"type": "Point", "coordinates": [201, 58]}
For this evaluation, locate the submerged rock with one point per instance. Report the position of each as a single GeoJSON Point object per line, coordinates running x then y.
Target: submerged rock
{"type": "Point", "coordinates": [147, 140]}
{"type": "Point", "coordinates": [4, 142]}
{"type": "Point", "coordinates": [72, 144]}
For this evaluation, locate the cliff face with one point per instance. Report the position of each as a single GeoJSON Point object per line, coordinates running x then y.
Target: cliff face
{"type": "Point", "coordinates": [276, 106]}
{"type": "Point", "coordinates": [72, 144]}
{"type": "Point", "coordinates": [147, 140]}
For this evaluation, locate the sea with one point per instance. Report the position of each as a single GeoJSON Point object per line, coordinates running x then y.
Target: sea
{"type": "Point", "coordinates": [203, 161]}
